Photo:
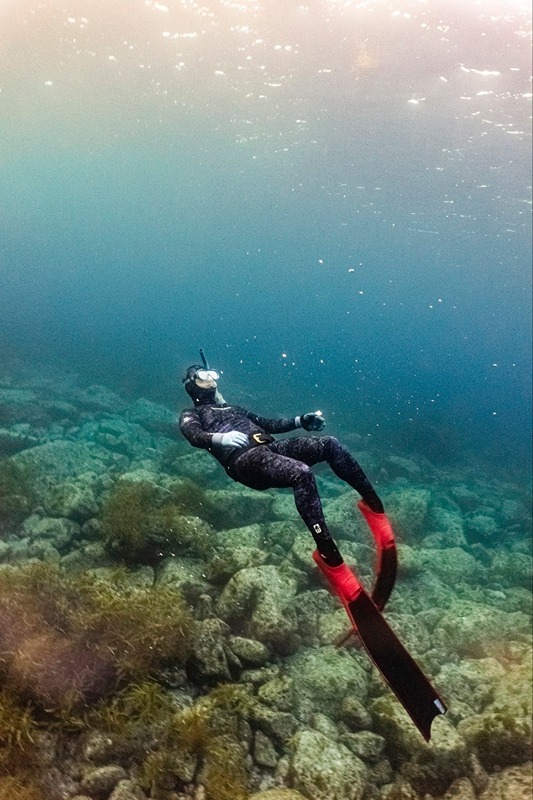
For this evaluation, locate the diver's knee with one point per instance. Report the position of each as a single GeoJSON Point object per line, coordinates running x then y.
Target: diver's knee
{"type": "Point", "coordinates": [304, 476]}
{"type": "Point", "coordinates": [331, 445]}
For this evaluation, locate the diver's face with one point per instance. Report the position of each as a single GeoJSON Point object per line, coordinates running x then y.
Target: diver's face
{"type": "Point", "coordinates": [207, 383]}
{"type": "Point", "coordinates": [206, 378]}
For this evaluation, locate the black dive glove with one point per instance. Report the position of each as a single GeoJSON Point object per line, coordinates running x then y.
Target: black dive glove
{"type": "Point", "coordinates": [311, 422]}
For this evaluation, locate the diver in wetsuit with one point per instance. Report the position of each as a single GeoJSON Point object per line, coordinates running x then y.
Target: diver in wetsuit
{"type": "Point", "coordinates": [243, 443]}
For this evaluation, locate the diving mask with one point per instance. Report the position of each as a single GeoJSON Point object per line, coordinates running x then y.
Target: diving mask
{"type": "Point", "coordinates": [206, 375]}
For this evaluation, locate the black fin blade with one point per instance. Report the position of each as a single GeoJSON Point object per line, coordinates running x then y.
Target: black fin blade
{"type": "Point", "coordinates": [386, 577]}
{"type": "Point", "coordinates": [397, 666]}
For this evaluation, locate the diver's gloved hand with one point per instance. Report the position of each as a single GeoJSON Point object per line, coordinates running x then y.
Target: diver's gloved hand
{"type": "Point", "coordinates": [231, 439]}
{"type": "Point", "coordinates": [313, 421]}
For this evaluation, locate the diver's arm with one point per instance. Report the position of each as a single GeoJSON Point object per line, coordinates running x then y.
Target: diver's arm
{"type": "Point", "coordinates": [191, 428]}
{"type": "Point", "coordinates": [282, 425]}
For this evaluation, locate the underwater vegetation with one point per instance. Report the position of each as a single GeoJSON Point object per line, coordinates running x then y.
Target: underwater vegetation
{"type": "Point", "coordinates": [15, 789]}
{"type": "Point", "coordinates": [17, 728]}
{"type": "Point", "coordinates": [19, 756]}
{"type": "Point", "coordinates": [191, 498]}
{"type": "Point", "coordinates": [143, 525]}
{"type": "Point", "coordinates": [65, 641]}
{"type": "Point", "coordinates": [204, 740]}
{"type": "Point", "coordinates": [16, 494]}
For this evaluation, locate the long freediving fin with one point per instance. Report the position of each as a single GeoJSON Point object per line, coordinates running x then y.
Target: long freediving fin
{"type": "Point", "coordinates": [387, 562]}
{"type": "Point", "coordinates": [396, 665]}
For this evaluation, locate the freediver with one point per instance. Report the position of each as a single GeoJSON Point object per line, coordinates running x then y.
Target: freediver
{"type": "Point", "coordinates": [243, 443]}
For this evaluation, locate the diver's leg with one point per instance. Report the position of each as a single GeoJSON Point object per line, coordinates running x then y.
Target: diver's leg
{"type": "Point", "coordinates": [313, 449]}
{"type": "Point", "coordinates": [260, 468]}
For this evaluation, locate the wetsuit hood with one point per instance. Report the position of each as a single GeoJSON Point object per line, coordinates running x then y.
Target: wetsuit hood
{"type": "Point", "coordinates": [198, 395]}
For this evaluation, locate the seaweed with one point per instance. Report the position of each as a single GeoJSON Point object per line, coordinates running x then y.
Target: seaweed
{"type": "Point", "coordinates": [191, 498]}
{"type": "Point", "coordinates": [140, 627]}
{"type": "Point", "coordinates": [143, 525]}
{"type": "Point", "coordinates": [76, 654]}
{"type": "Point", "coordinates": [16, 493]}
{"type": "Point", "coordinates": [224, 773]}
{"type": "Point", "coordinates": [17, 729]}
{"type": "Point", "coordinates": [66, 641]}
{"type": "Point", "coordinates": [143, 705]}
{"type": "Point", "coordinates": [125, 520]}
{"type": "Point", "coordinates": [18, 753]}
{"type": "Point", "coordinates": [12, 788]}
{"type": "Point", "coordinates": [53, 624]}
{"type": "Point", "coordinates": [208, 733]}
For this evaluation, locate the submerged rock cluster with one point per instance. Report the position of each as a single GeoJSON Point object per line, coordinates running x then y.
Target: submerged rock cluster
{"type": "Point", "coordinates": [164, 633]}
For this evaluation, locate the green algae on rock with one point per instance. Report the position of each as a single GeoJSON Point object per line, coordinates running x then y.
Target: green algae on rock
{"type": "Point", "coordinates": [208, 736]}
{"type": "Point", "coordinates": [323, 677]}
{"type": "Point", "coordinates": [325, 770]}
{"type": "Point", "coordinates": [258, 601]}
{"type": "Point", "coordinates": [501, 734]}
{"type": "Point", "coordinates": [60, 460]}
{"type": "Point", "coordinates": [16, 492]}
{"type": "Point", "coordinates": [278, 794]}
{"type": "Point", "coordinates": [142, 526]}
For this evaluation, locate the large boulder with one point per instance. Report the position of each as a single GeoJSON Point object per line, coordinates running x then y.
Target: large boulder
{"type": "Point", "coordinates": [73, 499]}
{"type": "Point", "coordinates": [184, 573]}
{"type": "Point", "coordinates": [453, 566]}
{"type": "Point", "coordinates": [323, 677]}
{"type": "Point", "coordinates": [208, 662]}
{"type": "Point", "coordinates": [198, 466]}
{"type": "Point", "coordinates": [471, 683]}
{"type": "Point", "coordinates": [152, 416]}
{"type": "Point", "coordinates": [501, 735]}
{"type": "Point", "coordinates": [445, 527]}
{"type": "Point", "coordinates": [482, 528]}
{"type": "Point", "coordinates": [117, 435]}
{"type": "Point", "coordinates": [344, 519]}
{"type": "Point", "coordinates": [428, 767]}
{"type": "Point", "coordinates": [59, 532]}
{"type": "Point", "coordinates": [59, 461]}
{"type": "Point", "coordinates": [408, 511]}
{"type": "Point", "coordinates": [513, 569]}
{"type": "Point", "coordinates": [513, 783]}
{"type": "Point", "coordinates": [258, 602]}
{"type": "Point", "coordinates": [473, 631]}
{"type": "Point", "coordinates": [325, 770]}
{"type": "Point", "coordinates": [278, 794]}
{"type": "Point", "coordinates": [97, 398]}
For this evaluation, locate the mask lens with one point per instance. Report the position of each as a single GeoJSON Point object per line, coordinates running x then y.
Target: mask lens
{"type": "Point", "coordinates": [207, 374]}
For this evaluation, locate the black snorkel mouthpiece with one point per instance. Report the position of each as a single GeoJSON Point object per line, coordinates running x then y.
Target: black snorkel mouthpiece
{"type": "Point", "coordinates": [204, 359]}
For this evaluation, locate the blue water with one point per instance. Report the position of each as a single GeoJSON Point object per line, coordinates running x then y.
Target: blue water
{"type": "Point", "coordinates": [332, 198]}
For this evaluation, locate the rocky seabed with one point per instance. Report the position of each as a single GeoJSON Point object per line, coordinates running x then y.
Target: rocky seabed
{"type": "Point", "coordinates": [253, 700]}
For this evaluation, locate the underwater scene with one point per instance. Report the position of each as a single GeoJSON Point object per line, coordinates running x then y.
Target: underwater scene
{"type": "Point", "coordinates": [265, 400]}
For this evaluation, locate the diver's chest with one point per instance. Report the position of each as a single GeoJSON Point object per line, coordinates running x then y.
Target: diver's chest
{"type": "Point", "coordinates": [214, 416]}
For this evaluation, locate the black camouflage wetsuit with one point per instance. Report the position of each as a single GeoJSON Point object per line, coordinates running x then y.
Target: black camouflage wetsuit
{"type": "Point", "coordinates": [268, 464]}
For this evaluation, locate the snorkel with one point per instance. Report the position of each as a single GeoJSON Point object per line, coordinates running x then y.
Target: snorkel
{"type": "Point", "coordinates": [218, 397]}
{"type": "Point", "coordinates": [204, 359]}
